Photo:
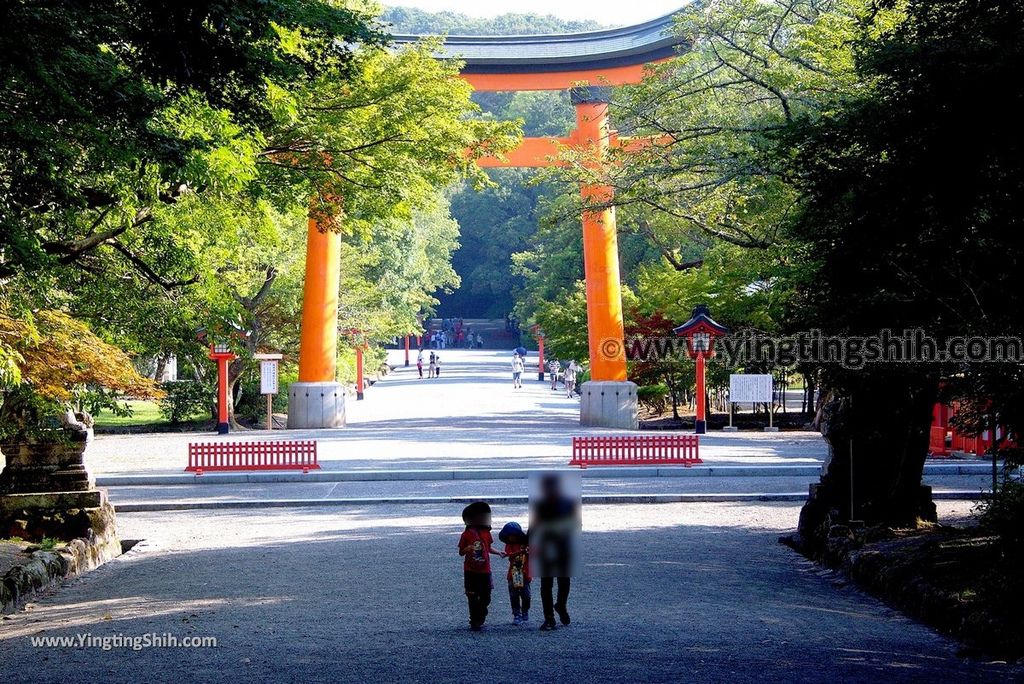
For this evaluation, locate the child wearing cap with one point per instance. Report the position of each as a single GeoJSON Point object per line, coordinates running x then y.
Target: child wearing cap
{"type": "Point", "coordinates": [518, 553]}
{"type": "Point", "coordinates": [475, 548]}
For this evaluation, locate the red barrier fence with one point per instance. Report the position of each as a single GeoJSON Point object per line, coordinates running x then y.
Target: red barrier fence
{"type": "Point", "coordinates": [946, 440]}
{"type": "Point", "coordinates": [282, 455]}
{"type": "Point", "coordinates": [635, 450]}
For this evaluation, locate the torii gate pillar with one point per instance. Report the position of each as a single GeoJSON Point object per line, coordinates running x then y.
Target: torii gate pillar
{"type": "Point", "coordinates": [317, 400]}
{"type": "Point", "coordinates": [608, 399]}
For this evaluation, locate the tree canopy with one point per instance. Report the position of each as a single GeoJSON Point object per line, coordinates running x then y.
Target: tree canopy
{"type": "Point", "coordinates": [161, 163]}
{"type": "Point", "coordinates": [845, 166]}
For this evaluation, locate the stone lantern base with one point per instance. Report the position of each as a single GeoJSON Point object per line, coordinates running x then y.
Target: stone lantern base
{"type": "Point", "coordinates": [314, 405]}
{"type": "Point", "coordinates": [609, 404]}
{"type": "Point", "coordinates": [46, 491]}
{"type": "Point", "coordinates": [46, 467]}
{"type": "Point", "coordinates": [63, 516]}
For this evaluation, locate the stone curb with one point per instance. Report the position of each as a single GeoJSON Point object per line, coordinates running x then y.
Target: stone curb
{"type": "Point", "coordinates": [156, 506]}
{"type": "Point", "coordinates": [624, 472]}
{"type": "Point", "coordinates": [46, 568]}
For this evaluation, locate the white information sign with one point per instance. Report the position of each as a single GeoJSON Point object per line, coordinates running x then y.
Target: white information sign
{"type": "Point", "coordinates": [268, 377]}
{"type": "Point", "coordinates": [750, 389]}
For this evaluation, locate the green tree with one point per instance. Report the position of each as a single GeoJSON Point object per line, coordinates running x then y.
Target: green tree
{"type": "Point", "coordinates": [912, 221]}
{"type": "Point", "coordinates": [111, 108]}
{"type": "Point", "coordinates": [154, 193]}
{"type": "Point", "coordinates": [716, 171]}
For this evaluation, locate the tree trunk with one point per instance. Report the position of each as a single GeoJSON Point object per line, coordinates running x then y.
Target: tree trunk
{"type": "Point", "coordinates": [877, 432]}
{"type": "Point", "coordinates": [807, 405]}
{"type": "Point", "coordinates": [161, 366]}
{"type": "Point", "coordinates": [235, 390]}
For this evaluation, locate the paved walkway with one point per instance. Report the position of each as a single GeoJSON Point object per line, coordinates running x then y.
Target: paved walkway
{"type": "Point", "coordinates": [669, 593]}
{"type": "Point", "coordinates": [469, 417]}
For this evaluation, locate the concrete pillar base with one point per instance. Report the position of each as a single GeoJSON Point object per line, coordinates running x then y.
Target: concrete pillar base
{"type": "Point", "coordinates": [316, 405]}
{"type": "Point", "coordinates": [607, 403]}
{"type": "Point", "coordinates": [730, 428]}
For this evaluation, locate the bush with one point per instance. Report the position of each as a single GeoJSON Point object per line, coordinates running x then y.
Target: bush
{"type": "Point", "coordinates": [653, 398]}
{"type": "Point", "coordinates": [1003, 514]}
{"type": "Point", "coordinates": [252, 406]}
{"type": "Point", "coordinates": [184, 400]}
{"type": "Point", "coordinates": [94, 400]}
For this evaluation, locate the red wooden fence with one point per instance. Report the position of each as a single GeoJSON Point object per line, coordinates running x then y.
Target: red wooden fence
{"type": "Point", "coordinates": [282, 455]}
{"type": "Point", "coordinates": [635, 450]}
{"type": "Point", "coordinates": [946, 440]}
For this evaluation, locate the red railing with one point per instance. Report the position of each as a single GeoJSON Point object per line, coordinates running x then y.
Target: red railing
{"type": "Point", "coordinates": [946, 440]}
{"type": "Point", "coordinates": [635, 450]}
{"type": "Point", "coordinates": [937, 444]}
{"type": "Point", "coordinates": [283, 455]}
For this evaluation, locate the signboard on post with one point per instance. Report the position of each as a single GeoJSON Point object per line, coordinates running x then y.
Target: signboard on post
{"type": "Point", "coordinates": [752, 389]}
{"type": "Point", "coordinates": [269, 382]}
{"type": "Point", "coordinates": [268, 377]}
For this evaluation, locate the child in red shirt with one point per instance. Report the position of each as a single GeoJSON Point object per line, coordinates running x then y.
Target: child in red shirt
{"type": "Point", "coordinates": [518, 553]}
{"type": "Point", "coordinates": [475, 548]}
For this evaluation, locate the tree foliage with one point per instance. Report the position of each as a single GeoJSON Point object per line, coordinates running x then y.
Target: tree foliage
{"type": "Point", "coordinates": [158, 164]}
{"type": "Point", "coordinates": [58, 360]}
{"type": "Point", "coordinates": [751, 70]}
{"type": "Point", "coordinates": [912, 189]}
{"type": "Point", "coordinates": [847, 166]}
{"type": "Point", "coordinates": [110, 108]}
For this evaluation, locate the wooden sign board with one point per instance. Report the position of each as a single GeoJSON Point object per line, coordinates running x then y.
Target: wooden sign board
{"type": "Point", "coordinates": [750, 389]}
{"type": "Point", "coordinates": [268, 377]}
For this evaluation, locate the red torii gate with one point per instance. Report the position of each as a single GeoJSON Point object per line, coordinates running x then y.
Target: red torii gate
{"type": "Point", "coordinates": [586, 64]}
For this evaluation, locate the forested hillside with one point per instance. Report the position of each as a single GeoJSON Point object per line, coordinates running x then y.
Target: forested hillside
{"type": "Point", "coordinates": [411, 20]}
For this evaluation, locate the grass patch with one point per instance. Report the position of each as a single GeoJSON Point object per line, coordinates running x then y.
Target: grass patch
{"type": "Point", "coordinates": [143, 413]}
{"type": "Point", "coordinates": [49, 543]}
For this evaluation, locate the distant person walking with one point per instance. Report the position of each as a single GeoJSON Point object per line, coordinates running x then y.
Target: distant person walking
{"type": "Point", "coordinates": [479, 341]}
{"type": "Point", "coordinates": [553, 368]}
{"type": "Point", "coordinates": [517, 371]}
{"type": "Point", "coordinates": [437, 366]}
{"type": "Point", "coordinates": [433, 365]}
{"type": "Point", "coordinates": [570, 379]}
{"type": "Point", "coordinates": [419, 363]}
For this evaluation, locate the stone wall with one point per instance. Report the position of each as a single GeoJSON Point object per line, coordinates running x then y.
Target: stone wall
{"type": "Point", "coordinates": [47, 568]}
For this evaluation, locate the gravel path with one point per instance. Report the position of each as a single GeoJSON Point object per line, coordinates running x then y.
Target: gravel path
{"type": "Point", "coordinates": [675, 592]}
